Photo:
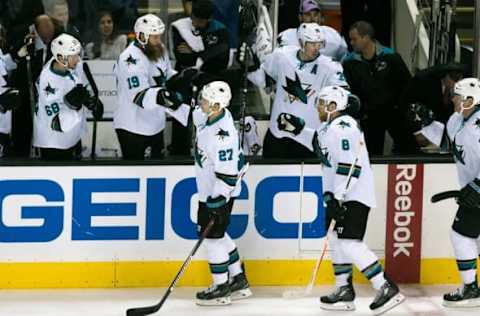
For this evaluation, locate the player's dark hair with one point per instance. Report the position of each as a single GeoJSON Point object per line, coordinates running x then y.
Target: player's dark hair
{"type": "Point", "coordinates": [202, 9]}
{"type": "Point", "coordinates": [364, 29]}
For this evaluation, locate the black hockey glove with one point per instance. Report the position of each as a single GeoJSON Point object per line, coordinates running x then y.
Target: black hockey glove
{"type": "Point", "coordinates": [334, 209]}
{"type": "Point", "coordinates": [470, 195]}
{"type": "Point", "coordinates": [9, 100]}
{"type": "Point", "coordinates": [418, 116]}
{"type": "Point", "coordinates": [169, 99]}
{"type": "Point", "coordinates": [96, 106]}
{"type": "Point", "coordinates": [217, 209]}
{"type": "Point", "coordinates": [290, 123]}
{"type": "Point", "coordinates": [77, 97]}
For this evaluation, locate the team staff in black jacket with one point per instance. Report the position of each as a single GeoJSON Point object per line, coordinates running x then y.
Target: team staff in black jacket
{"type": "Point", "coordinates": [202, 42]}
{"type": "Point", "coordinates": [377, 75]}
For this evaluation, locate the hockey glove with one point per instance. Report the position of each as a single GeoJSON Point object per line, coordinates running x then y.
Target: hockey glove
{"type": "Point", "coordinates": [169, 99]}
{"type": "Point", "coordinates": [217, 209]}
{"type": "Point", "coordinates": [418, 116]}
{"type": "Point", "coordinates": [77, 97]}
{"type": "Point", "coordinates": [251, 61]}
{"type": "Point", "coordinates": [9, 100]}
{"type": "Point", "coordinates": [470, 195]}
{"type": "Point", "coordinates": [290, 123]}
{"type": "Point", "coordinates": [334, 209]}
{"type": "Point", "coordinates": [96, 106]}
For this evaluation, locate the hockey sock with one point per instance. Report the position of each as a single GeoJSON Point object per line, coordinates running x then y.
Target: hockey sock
{"type": "Point", "coordinates": [342, 265]}
{"type": "Point", "coordinates": [365, 260]}
{"type": "Point", "coordinates": [218, 260]}
{"type": "Point", "coordinates": [234, 264]}
{"type": "Point", "coordinates": [465, 250]}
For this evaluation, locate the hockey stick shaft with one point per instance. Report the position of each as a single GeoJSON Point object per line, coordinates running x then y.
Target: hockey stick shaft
{"type": "Point", "coordinates": [244, 93]}
{"type": "Point", "coordinates": [141, 311]}
{"type": "Point", "coordinates": [91, 81]}
{"type": "Point", "coordinates": [445, 195]}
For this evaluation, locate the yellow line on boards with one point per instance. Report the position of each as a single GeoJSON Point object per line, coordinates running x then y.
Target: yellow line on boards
{"type": "Point", "coordinates": [124, 274]}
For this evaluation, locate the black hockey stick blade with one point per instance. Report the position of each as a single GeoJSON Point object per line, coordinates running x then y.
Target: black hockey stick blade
{"type": "Point", "coordinates": [147, 310]}
{"type": "Point", "coordinates": [91, 81]}
{"type": "Point", "coordinates": [445, 195]}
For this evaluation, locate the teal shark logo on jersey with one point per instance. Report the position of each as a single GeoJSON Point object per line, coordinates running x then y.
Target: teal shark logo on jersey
{"type": "Point", "coordinates": [458, 153]}
{"type": "Point", "coordinates": [130, 60]}
{"type": "Point", "coordinates": [49, 90]}
{"type": "Point", "coordinates": [199, 157]}
{"type": "Point", "coordinates": [477, 123]}
{"type": "Point", "coordinates": [160, 80]}
{"type": "Point", "coordinates": [296, 90]}
{"type": "Point", "coordinates": [343, 124]}
{"type": "Point", "coordinates": [222, 134]}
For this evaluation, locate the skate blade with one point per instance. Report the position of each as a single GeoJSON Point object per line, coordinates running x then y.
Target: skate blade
{"type": "Point", "coordinates": [241, 294]}
{"type": "Point", "coordinates": [220, 301]}
{"type": "Point", "coordinates": [338, 306]}
{"type": "Point", "coordinates": [472, 302]}
{"type": "Point", "coordinates": [394, 301]}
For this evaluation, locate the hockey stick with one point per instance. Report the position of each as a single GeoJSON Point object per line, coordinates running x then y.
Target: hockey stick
{"type": "Point", "coordinates": [445, 195]}
{"type": "Point", "coordinates": [244, 93]}
{"type": "Point", "coordinates": [140, 311]}
{"type": "Point", "coordinates": [31, 92]}
{"type": "Point", "coordinates": [91, 81]}
{"type": "Point", "coordinates": [308, 290]}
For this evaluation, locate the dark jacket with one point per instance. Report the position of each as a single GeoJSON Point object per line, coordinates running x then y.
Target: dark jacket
{"type": "Point", "coordinates": [426, 88]}
{"type": "Point", "coordinates": [379, 82]}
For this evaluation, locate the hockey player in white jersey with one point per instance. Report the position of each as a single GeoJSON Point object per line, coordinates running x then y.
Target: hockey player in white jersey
{"type": "Point", "coordinates": [143, 101]}
{"type": "Point", "coordinates": [299, 73]}
{"type": "Point", "coordinates": [341, 145]}
{"type": "Point", "coordinates": [60, 116]}
{"type": "Point", "coordinates": [219, 166]}
{"type": "Point", "coordinates": [334, 45]}
{"type": "Point", "coordinates": [463, 129]}
{"type": "Point", "coordinates": [9, 99]}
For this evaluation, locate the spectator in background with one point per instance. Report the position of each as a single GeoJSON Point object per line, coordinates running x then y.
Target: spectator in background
{"type": "Point", "coordinates": [58, 10]}
{"type": "Point", "coordinates": [17, 15]}
{"type": "Point", "coordinates": [378, 76]}
{"type": "Point", "coordinates": [125, 12]}
{"type": "Point", "coordinates": [41, 32]}
{"type": "Point", "coordinates": [376, 12]}
{"type": "Point", "coordinates": [107, 42]}
{"type": "Point", "coordinates": [309, 12]}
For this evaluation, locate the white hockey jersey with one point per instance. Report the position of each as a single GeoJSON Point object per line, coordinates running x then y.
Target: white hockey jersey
{"type": "Point", "coordinates": [340, 141]}
{"type": "Point", "coordinates": [138, 81]}
{"type": "Point", "coordinates": [297, 85]}
{"type": "Point", "coordinates": [55, 125]}
{"type": "Point", "coordinates": [218, 158]}
{"type": "Point", "coordinates": [465, 136]}
{"type": "Point", "coordinates": [5, 118]}
{"type": "Point", "coordinates": [335, 45]}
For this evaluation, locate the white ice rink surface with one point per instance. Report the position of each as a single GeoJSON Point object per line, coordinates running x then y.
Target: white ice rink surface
{"type": "Point", "coordinates": [267, 301]}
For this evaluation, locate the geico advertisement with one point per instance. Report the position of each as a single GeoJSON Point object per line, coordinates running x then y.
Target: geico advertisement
{"type": "Point", "coordinates": [149, 212]}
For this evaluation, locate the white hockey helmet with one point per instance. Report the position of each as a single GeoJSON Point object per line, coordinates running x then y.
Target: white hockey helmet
{"type": "Point", "coordinates": [216, 92]}
{"type": "Point", "coordinates": [310, 32]}
{"type": "Point", "coordinates": [148, 24]}
{"type": "Point", "coordinates": [468, 88]}
{"type": "Point", "coordinates": [65, 45]}
{"type": "Point", "coordinates": [335, 94]}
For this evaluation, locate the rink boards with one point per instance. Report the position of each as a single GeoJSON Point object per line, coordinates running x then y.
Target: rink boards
{"type": "Point", "coordinates": [129, 226]}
